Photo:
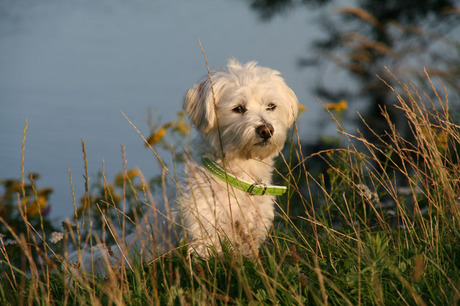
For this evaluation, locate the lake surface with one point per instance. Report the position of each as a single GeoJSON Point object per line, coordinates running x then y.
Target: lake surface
{"type": "Point", "coordinates": [71, 67]}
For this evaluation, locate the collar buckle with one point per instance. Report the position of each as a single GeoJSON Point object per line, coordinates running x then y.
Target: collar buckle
{"type": "Point", "coordinates": [254, 189]}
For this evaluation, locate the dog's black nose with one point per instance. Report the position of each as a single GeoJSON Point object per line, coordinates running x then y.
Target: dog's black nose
{"type": "Point", "coordinates": [265, 130]}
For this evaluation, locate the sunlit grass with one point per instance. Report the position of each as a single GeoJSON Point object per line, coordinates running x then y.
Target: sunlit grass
{"type": "Point", "coordinates": [379, 225]}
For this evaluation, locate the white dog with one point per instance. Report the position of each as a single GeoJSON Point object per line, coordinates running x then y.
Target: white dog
{"type": "Point", "coordinates": [242, 113]}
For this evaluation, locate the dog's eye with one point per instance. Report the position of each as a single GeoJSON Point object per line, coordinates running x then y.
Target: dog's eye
{"type": "Point", "coordinates": [240, 109]}
{"type": "Point", "coordinates": [271, 106]}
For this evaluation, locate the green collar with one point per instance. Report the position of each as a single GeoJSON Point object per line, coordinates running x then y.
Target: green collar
{"type": "Point", "coordinates": [253, 189]}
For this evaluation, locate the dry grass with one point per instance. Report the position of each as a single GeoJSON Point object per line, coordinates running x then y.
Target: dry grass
{"type": "Point", "coordinates": [379, 225]}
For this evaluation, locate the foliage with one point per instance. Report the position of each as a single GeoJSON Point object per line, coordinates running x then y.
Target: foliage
{"type": "Point", "coordinates": [178, 131]}
{"type": "Point", "coordinates": [23, 216]}
{"type": "Point", "coordinates": [126, 196]}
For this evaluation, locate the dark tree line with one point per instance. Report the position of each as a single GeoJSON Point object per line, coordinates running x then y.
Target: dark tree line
{"type": "Point", "coordinates": [364, 37]}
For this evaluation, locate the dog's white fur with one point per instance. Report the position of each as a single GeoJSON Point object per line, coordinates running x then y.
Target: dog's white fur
{"type": "Point", "coordinates": [242, 113]}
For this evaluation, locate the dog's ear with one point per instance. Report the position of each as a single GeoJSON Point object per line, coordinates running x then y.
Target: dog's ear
{"type": "Point", "coordinates": [199, 105]}
{"type": "Point", "coordinates": [292, 103]}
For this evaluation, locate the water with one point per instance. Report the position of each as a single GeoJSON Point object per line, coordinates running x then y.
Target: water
{"type": "Point", "coordinates": [72, 67]}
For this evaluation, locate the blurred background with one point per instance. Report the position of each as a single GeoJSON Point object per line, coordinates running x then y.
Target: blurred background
{"type": "Point", "coordinates": [72, 67]}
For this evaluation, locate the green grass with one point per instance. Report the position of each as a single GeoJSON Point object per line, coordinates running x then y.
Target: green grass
{"type": "Point", "coordinates": [380, 225]}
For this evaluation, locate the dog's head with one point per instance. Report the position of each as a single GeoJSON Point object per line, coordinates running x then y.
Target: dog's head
{"type": "Point", "coordinates": [245, 108]}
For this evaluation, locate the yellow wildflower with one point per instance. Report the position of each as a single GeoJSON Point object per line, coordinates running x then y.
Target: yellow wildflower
{"type": "Point", "coordinates": [440, 136]}
{"type": "Point", "coordinates": [442, 140]}
{"type": "Point", "coordinates": [132, 173]}
{"type": "Point", "coordinates": [169, 124]}
{"type": "Point", "coordinates": [338, 107]}
{"type": "Point", "coordinates": [183, 128]}
{"type": "Point", "coordinates": [157, 136]}
{"type": "Point", "coordinates": [119, 178]}
{"type": "Point", "coordinates": [36, 206]}
{"type": "Point", "coordinates": [330, 171]}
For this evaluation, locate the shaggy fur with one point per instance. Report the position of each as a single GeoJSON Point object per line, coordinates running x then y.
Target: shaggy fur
{"type": "Point", "coordinates": [242, 113]}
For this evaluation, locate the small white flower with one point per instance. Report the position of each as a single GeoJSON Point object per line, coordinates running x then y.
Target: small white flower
{"type": "Point", "coordinates": [9, 242]}
{"type": "Point", "coordinates": [366, 193]}
{"type": "Point", "coordinates": [391, 213]}
{"type": "Point", "coordinates": [56, 237]}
